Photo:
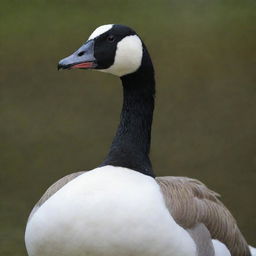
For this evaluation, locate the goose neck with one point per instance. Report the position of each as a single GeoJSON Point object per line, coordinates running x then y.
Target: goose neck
{"type": "Point", "coordinates": [131, 145]}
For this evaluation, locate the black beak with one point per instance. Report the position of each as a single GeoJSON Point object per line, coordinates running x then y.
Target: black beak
{"type": "Point", "coordinates": [83, 58]}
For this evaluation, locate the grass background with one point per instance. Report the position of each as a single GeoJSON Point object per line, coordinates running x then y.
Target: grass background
{"type": "Point", "coordinates": [54, 123]}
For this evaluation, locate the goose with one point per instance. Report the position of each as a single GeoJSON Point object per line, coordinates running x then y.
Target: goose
{"type": "Point", "coordinates": [121, 208]}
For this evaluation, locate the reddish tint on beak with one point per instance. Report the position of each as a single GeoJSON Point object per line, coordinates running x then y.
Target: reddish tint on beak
{"type": "Point", "coordinates": [83, 65]}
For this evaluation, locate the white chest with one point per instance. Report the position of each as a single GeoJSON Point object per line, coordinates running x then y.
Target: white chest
{"type": "Point", "coordinates": [108, 211]}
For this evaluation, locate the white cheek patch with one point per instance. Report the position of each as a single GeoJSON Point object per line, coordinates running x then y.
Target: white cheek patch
{"type": "Point", "coordinates": [100, 30]}
{"type": "Point", "coordinates": [128, 56]}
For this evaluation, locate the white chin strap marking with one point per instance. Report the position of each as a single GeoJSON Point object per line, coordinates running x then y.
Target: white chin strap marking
{"type": "Point", "coordinates": [128, 56]}
{"type": "Point", "coordinates": [100, 30]}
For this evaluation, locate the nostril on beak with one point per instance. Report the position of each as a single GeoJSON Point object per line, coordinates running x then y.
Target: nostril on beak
{"type": "Point", "coordinates": [81, 53]}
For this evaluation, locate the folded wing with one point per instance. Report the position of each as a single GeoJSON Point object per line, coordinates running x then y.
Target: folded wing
{"type": "Point", "coordinates": [191, 204]}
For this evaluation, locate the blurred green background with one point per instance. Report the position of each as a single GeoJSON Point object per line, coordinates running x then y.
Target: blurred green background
{"type": "Point", "coordinates": [54, 123]}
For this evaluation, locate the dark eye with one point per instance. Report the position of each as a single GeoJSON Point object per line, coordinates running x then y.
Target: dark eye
{"type": "Point", "coordinates": [111, 38]}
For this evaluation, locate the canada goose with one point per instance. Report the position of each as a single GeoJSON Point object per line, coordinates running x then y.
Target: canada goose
{"type": "Point", "coordinates": [121, 208]}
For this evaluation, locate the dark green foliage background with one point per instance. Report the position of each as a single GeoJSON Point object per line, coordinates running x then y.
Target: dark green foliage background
{"type": "Point", "coordinates": [54, 123]}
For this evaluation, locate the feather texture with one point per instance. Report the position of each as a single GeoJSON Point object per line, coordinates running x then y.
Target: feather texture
{"type": "Point", "coordinates": [190, 203]}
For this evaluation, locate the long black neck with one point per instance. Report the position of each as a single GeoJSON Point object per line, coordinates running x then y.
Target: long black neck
{"type": "Point", "coordinates": [131, 144]}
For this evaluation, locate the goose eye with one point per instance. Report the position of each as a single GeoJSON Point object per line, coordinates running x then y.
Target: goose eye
{"type": "Point", "coordinates": [111, 38]}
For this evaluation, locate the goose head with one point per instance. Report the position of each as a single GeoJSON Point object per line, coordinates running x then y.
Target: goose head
{"type": "Point", "coordinates": [115, 49]}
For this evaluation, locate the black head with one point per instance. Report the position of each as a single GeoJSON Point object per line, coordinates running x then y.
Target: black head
{"type": "Point", "coordinates": [115, 49]}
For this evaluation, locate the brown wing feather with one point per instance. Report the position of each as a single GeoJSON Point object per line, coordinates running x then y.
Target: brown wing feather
{"type": "Point", "coordinates": [190, 203]}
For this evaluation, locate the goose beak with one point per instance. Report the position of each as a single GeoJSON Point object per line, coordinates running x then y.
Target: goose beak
{"type": "Point", "coordinates": [83, 58]}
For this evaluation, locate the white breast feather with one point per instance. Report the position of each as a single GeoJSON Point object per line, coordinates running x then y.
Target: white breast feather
{"type": "Point", "coordinates": [110, 211]}
{"type": "Point", "coordinates": [220, 248]}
